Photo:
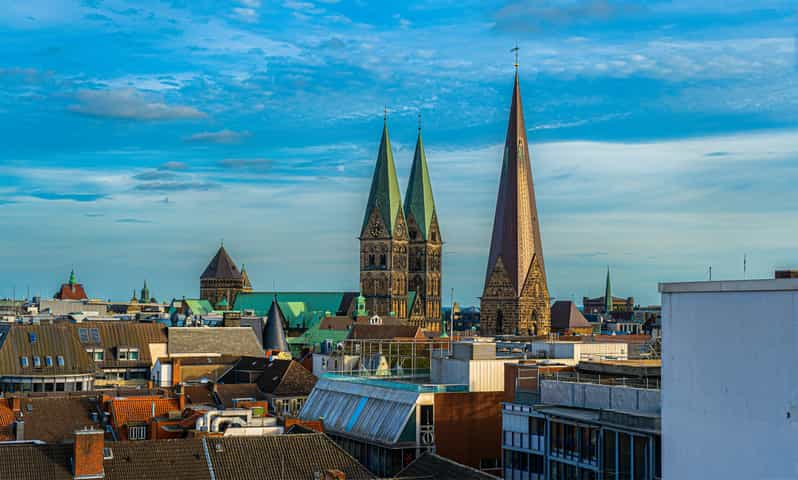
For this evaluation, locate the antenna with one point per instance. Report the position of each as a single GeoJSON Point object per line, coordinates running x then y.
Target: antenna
{"type": "Point", "coordinates": [515, 50]}
{"type": "Point", "coordinates": [745, 265]}
{"type": "Point", "coordinates": [710, 273]}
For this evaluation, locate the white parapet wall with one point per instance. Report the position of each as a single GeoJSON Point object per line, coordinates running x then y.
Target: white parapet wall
{"type": "Point", "coordinates": [599, 397]}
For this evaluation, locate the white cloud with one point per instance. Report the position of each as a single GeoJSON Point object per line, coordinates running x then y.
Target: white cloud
{"type": "Point", "coordinates": [221, 136]}
{"type": "Point", "coordinates": [129, 104]}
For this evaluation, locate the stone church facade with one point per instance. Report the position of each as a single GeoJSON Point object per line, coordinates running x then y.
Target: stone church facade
{"type": "Point", "coordinates": [400, 247]}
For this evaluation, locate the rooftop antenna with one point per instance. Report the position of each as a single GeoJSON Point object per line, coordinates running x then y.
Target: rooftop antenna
{"type": "Point", "coordinates": [515, 50]}
{"type": "Point", "coordinates": [745, 265]}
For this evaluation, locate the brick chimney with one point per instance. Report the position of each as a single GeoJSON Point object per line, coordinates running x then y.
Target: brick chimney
{"type": "Point", "coordinates": [87, 458]}
{"type": "Point", "coordinates": [16, 404]}
{"type": "Point", "coordinates": [176, 373]}
{"type": "Point", "coordinates": [334, 475]}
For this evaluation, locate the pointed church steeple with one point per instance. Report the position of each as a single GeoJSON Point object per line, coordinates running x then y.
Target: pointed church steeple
{"type": "Point", "coordinates": [608, 294]}
{"type": "Point", "coordinates": [384, 198]}
{"type": "Point", "coordinates": [419, 202]}
{"type": "Point", "coordinates": [516, 294]}
{"type": "Point", "coordinates": [516, 230]}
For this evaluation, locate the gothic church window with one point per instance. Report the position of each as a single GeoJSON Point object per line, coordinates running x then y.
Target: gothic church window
{"type": "Point", "coordinates": [371, 260]}
{"type": "Point", "coordinates": [383, 260]}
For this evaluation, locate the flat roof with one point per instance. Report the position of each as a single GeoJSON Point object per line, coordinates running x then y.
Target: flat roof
{"type": "Point", "coordinates": [765, 285]}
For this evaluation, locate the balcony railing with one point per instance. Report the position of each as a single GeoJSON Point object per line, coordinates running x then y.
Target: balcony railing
{"type": "Point", "coordinates": [577, 377]}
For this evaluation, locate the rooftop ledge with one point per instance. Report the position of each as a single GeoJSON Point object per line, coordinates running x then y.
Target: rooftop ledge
{"type": "Point", "coordinates": [764, 285]}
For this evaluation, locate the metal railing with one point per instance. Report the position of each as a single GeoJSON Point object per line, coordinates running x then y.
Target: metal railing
{"type": "Point", "coordinates": [577, 377]}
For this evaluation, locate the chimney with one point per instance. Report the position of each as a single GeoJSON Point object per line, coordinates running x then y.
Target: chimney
{"type": "Point", "coordinates": [19, 430]}
{"type": "Point", "coordinates": [16, 404]}
{"type": "Point", "coordinates": [181, 399]}
{"type": "Point", "coordinates": [87, 459]}
{"type": "Point", "coordinates": [176, 373]}
{"type": "Point", "coordinates": [231, 319]}
{"type": "Point", "coordinates": [334, 475]}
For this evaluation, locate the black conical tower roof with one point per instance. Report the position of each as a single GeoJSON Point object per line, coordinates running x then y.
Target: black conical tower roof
{"type": "Point", "coordinates": [273, 333]}
{"type": "Point", "coordinates": [221, 266]}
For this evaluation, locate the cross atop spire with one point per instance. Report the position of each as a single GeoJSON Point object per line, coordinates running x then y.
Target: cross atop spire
{"type": "Point", "coordinates": [516, 56]}
{"type": "Point", "coordinates": [419, 122]}
{"type": "Point", "coordinates": [385, 114]}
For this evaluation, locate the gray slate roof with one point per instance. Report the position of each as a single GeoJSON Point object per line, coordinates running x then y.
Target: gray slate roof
{"type": "Point", "coordinates": [238, 341]}
{"type": "Point", "coordinates": [430, 466]}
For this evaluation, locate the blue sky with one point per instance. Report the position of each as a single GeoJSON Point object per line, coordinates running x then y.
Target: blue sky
{"type": "Point", "coordinates": [137, 135]}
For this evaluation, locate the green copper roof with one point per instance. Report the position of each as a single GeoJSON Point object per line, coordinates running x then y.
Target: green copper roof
{"type": "Point", "coordinates": [384, 195]}
{"type": "Point", "coordinates": [300, 309]}
{"type": "Point", "coordinates": [419, 201]}
{"type": "Point", "coordinates": [199, 307]}
{"type": "Point", "coordinates": [72, 279]}
{"type": "Point", "coordinates": [222, 302]}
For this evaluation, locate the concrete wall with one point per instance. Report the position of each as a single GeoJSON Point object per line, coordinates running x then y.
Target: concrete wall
{"type": "Point", "coordinates": [590, 395]}
{"type": "Point", "coordinates": [730, 382]}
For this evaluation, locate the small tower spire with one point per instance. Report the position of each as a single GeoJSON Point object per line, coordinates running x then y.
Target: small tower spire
{"type": "Point", "coordinates": [72, 279]}
{"type": "Point", "coordinates": [608, 294]}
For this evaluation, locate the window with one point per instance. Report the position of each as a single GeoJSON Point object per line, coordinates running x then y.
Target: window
{"type": "Point", "coordinates": [24, 362]}
{"type": "Point", "coordinates": [60, 360]}
{"type": "Point", "coordinates": [97, 354]}
{"type": "Point", "coordinates": [83, 334]}
{"type": "Point", "coordinates": [371, 260]}
{"type": "Point", "coordinates": [32, 337]}
{"type": "Point", "coordinates": [94, 335]}
{"type": "Point", "coordinates": [383, 260]}
{"type": "Point", "coordinates": [133, 354]}
{"type": "Point", "coordinates": [37, 362]}
{"type": "Point", "coordinates": [137, 432]}
{"type": "Point", "coordinates": [48, 361]}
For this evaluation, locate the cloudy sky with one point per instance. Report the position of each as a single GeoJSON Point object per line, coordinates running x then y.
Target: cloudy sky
{"type": "Point", "coordinates": [136, 135]}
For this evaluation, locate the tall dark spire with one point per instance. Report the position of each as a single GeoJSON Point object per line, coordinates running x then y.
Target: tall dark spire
{"type": "Point", "coordinates": [516, 230]}
{"type": "Point", "coordinates": [608, 294]}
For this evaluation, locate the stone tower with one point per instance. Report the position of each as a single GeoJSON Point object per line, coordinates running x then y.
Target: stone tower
{"type": "Point", "coordinates": [425, 244]}
{"type": "Point", "coordinates": [383, 240]}
{"type": "Point", "coordinates": [515, 299]}
{"type": "Point", "coordinates": [222, 280]}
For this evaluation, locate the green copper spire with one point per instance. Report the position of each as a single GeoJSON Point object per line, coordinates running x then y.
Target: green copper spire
{"type": "Point", "coordinates": [384, 195]}
{"type": "Point", "coordinates": [419, 202]}
{"type": "Point", "coordinates": [608, 294]}
{"type": "Point", "coordinates": [72, 279]}
{"type": "Point", "coordinates": [145, 293]}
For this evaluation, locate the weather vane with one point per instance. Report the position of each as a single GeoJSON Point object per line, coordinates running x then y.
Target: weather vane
{"type": "Point", "coordinates": [419, 121]}
{"type": "Point", "coordinates": [385, 114]}
{"type": "Point", "coordinates": [516, 55]}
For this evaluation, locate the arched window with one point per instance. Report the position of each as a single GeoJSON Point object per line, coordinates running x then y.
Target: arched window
{"type": "Point", "coordinates": [383, 260]}
{"type": "Point", "coordinates": [499, 322]}
{"type": "Point", "coordinates": [371, 260]}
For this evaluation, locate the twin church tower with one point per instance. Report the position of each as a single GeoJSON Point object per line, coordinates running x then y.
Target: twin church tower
{"type": "Point", "coordinates": [400, 247]}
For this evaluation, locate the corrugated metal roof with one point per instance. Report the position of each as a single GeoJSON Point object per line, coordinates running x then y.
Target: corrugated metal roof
{"type": "Point", "coordinates": [362, 411]}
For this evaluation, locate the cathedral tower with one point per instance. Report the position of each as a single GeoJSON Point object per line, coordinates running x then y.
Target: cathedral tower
{"type": "Point", "coordinates": [424, 252]}
{"type": "Point", "coordinates": [222, 280]}
{"type": "Point", "coordinates": [383, 240]}
{"type": "Point", "coordinates": [515, 299]}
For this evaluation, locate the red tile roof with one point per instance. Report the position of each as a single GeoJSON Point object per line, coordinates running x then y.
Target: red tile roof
{"type": "Point", "coordinates": [71, 292]}
{"type": "Point", "coordinates": [139, 409]}
{"type": "Point", "coordinates": [7, 416]}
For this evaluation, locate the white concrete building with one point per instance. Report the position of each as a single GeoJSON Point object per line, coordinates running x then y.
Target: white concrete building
{"type": "Point", "coordinates": [729, 379]}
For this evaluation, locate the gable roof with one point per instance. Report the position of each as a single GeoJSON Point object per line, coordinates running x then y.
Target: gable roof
{"type": "Point", "coordinates": [113, 335]}
{"type": "Point", "coordinates": [565, 316]}
{"type": "Point", "coordinates": [54, 419]}
{"type": "Point", "coordinates": [238, 341]}
{"type": "Point", "coordinates": [226, 393]}
{"type": "Point", "coordinates": [41, 341]}
{"type": "Point", "coordinates": [286, 378]}
{"type": "Point", "coordinates": [221, 267]}
{"type": "Point", "coordinates": [125, 410]}
{"type": "Point", "coordinates": [199, 394]}
{"type": "Point", "coordinates": [430, 466]}
{"type": "Point", "coordinates": [297, 456]}
{"type": "Point", "coordinates": [198, 306]}
{"type": "Point", "coordinates": [384, 196]}
{"type": "Point", "coordinates": [71, 291]}
{"type": "Point", "coordinates": [418, 199]}
{"type": "Point", "coordinates": [182, 459]}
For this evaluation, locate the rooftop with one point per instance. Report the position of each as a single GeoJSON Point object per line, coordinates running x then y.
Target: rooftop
{"type": "Point", "coordinates": [765, 285]}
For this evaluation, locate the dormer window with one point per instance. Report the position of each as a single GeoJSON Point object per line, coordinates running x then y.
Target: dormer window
{"type": "Point", "coordinates": [128, 354]}
{"type": "Point", "coordinates": [24, 362]}
{"type": "Point", "coordinates": [97, 354]}
{"type": "Point", "coordinates": [37, 362]}
{"type": "Point", "coordinates": [60, 360]}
